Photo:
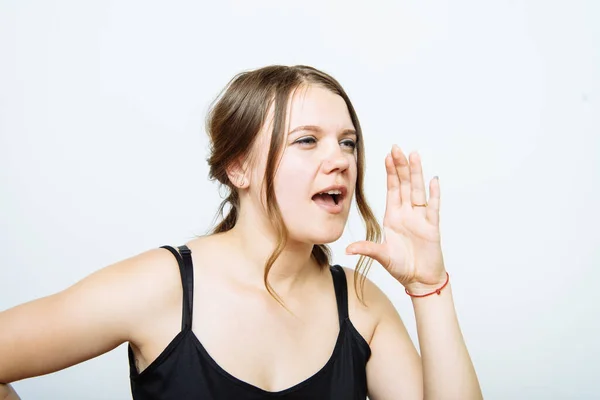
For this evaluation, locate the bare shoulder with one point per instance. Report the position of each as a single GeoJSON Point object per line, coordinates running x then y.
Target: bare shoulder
{"type": "Point", "coordinates": [133, 289]}
{"type": "Point", "coordinates": [147, 283]}
{"type": "Point", "coordinates": [366, 314]}
{"type": "Point", "coordinates": [89, 318]}
{"type": "Point", "coordinates": [157, 296]}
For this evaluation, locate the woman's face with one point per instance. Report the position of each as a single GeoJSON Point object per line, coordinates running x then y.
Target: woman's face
{"type": "Point", "coordinates": [319, 156]}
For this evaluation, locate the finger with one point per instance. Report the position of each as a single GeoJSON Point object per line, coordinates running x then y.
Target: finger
{"type": "Point", "coordinates": [393, 184]}
{"type": "Point", "coordinates": [417, 184]}
{"type": "Point", "coordinates": [433, 209]}
{"type": "Point", "coordinates": [374, 250]}
{"type": "Point", "coordinates": [403, 173]}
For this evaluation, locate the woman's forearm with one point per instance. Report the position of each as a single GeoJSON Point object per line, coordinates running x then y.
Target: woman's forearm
{"type": "Point", "coordinates": [448, 372]}
{"type": "Point", "coordinates": [8, 393]}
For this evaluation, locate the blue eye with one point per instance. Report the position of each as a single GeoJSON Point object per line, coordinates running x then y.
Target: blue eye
{"type": "Point", "coordinates": [309, 140]}
{"type": "Point", "coordinates": [350, 143]}
{"type": "Point", "coordinates": [306, 140]}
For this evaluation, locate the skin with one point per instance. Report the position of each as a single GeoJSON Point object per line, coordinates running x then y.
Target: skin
{"type": "Point", "coordinates": [8, 393]}
{"type": "Point", "coordinates": [278, 348]}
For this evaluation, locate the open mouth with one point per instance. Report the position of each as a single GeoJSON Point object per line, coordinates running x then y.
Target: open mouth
{"type": "Point", "coordinates": [328, 198]}
{"type": "Point", "coordinates": [331, 198]}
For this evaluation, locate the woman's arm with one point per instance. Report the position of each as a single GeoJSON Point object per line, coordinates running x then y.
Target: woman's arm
{"type": "Point", "coordinates": [445, 370]}
{"type": "Point", "coordinates": [448, 372]}
{"type": "Point", "coordinates": [8, 393]}
{"type": "Point", "coordinates": [86, 320]}
{"type": "Point", "coordinates": [411, 252]}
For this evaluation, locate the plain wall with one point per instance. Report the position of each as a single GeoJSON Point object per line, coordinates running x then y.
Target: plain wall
{"type": "Point", "coordinates": [102, 152]}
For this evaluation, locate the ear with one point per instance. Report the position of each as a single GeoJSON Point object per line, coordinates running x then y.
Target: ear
{"type": "Point", "coordinates": [236, 173]}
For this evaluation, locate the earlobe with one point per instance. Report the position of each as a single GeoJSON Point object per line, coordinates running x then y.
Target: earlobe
{"type": "Point", "coordinates": [237, 177]}
{"type": "Point", "coordinates": [238, 180]}
{"type": "Point", "coordinates": [237, 172]}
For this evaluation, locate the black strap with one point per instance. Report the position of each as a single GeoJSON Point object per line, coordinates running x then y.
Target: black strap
{"type": "Point", "coordinates": [186, 253]}
{"type": "Point", "coordinates": [341, 291]}
{"type": "Point", "coordinates": [187, 282]}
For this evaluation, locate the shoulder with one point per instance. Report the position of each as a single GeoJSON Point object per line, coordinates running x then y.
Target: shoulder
{"type": "Point", "coordinates": [132, 289]}
{"type": "Point", "coordinates": [108, 307]}
{"type": "Point", "coordinates": [374, 300]}
{"type": "Point", "coordinates": [150, 286]}
{"type": "Point", "coordinates": [141, 276]}
{"type": "Point", "coordinates": [124, 298]}
{"type": "Point", "coordinates": [375, 304]}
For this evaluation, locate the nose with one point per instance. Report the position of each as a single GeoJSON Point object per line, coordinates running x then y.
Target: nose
{"type": "Point", "coordinates": [335, 161]}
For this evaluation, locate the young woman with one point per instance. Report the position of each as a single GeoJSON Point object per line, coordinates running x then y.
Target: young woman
{"type": "Point", "coordinates": [255, 310]}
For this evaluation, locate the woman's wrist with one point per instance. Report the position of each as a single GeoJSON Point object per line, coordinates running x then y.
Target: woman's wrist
{"type": "Point", "coordinates": [433, 286]}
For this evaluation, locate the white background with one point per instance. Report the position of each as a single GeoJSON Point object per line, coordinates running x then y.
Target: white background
{"type": "Point", "coordinates": [102, 154]}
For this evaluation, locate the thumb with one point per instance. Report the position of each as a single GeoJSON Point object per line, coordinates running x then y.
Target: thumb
{"type": "Point", "coordinates": [376, 251]}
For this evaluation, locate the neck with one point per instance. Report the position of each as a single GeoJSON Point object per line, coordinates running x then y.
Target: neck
{"type": "Point", "coordinates": [255, 242]}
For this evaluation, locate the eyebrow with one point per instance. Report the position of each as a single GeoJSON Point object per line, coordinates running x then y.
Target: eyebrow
{"type": "Point", "coordinates": [318, 129]}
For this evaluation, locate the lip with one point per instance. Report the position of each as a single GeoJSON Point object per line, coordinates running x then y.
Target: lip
{"type": "Point", "coordinates": [341, 188]}
{"type": "Point", "coordinates": [333, 208]}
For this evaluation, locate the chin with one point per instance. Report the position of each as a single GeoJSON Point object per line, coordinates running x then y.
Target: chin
{"type": "Point", "coordinates": [316, 232]}
{"type": "Point", "coordinates": [321, 236]}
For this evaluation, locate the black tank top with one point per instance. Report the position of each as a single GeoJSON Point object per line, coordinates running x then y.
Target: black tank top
{"type": "Point", "coordinates": [184, 370]}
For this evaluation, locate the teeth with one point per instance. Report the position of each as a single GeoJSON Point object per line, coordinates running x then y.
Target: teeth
{"type": "Point", "coordinates": [332, 192]}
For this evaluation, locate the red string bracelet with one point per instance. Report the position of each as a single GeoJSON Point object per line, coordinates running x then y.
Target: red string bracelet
{"type": "Point", "coordinates": [438, 291]}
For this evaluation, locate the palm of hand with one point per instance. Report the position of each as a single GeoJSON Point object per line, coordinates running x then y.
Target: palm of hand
{"type": "Point", "coordinates": [411, 249]}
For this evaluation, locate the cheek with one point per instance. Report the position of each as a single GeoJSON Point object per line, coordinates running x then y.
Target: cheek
{"type": "Point", "coordinates": [293, 184]}
{"type": "Point", "coordinates": [292, 181]}
{"type": "Point", "coordinates": [352, 171]}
